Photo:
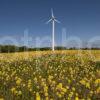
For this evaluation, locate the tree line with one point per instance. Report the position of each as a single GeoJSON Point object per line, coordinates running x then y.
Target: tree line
{"type": "Point", "coordinates": [13, 48]}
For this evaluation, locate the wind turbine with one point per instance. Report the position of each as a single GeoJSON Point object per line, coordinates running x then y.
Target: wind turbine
{"type": "Point", "coordinates": [53, 20]}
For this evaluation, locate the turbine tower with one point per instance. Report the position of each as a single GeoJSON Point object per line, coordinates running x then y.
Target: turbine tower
{"type": "Point", "coordinates": [53, 20]}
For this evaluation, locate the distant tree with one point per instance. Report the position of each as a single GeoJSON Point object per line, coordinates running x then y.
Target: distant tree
{"type": "Point", "coordinates": [13, 48]}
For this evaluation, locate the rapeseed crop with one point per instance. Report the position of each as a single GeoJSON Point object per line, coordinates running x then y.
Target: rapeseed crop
{"type": "Point", "coordinates": [49, 76]}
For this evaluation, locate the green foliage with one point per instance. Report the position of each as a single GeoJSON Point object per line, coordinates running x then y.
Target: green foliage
{"type": "Point", "coordinates": [13, 48]}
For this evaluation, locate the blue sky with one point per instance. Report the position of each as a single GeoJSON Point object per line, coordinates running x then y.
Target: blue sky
{"type": "Point", "coordinates": [81, 18]}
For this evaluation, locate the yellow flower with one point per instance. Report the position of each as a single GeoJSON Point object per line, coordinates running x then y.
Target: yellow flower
{"type": "Point", "coordinates": [87, 85]}
{"type": "Point", "coordinates": [45, 89]}
{"type": "Point", "coordinates": [98, 90]}
{"type": "Point", "coordinates": [67, 87]}
{"type": "Point", "coordinates": [19, 92]}
{"type": "Point", "coordinates": [50, 77]}
{"type": "Point", "coordinates": [91, 92]}
{"type": "Point", "coordinates": [70, 94]}
{"type": "Point", "coordinates": [29, 81]}
{"type": "Point", "coordinates": [18, 81]}
{"type": "Point", "coordinates": [35, 79]}
{"type": "Point", "coordinates": [37, 96]}
{"type": "Point", "coordinates": [59, 95]}
{"type": "Point", "coordinates": [46, 94]}
{"type": "Point", "coordinates": [76, 98]}
{"type": "Point", "coordinates": [59, 86]}
{"type": "Point", "coordinates": [83, 82]}
{"type": "Point", "coordinates": [69, 81]}
{"type": "Point", "coordinates": [13, 89]}
{"type": "Point", "coordinates": [53, 82]}
{"type": "Point", "coordinates": [73, 88]}
{"type": "Point", "coordinates": [23, 85]}
{"type": "Point", "coordinates": [88, 99]}
{"type": "Point", "coordinates": [30, 90]}
{"type": "Point", "coordinates": [97, 81]}
{"type": "Point", "coordinates": [1, 98]}
{"type": "Point", "coordinates": [64, 90]}
{"type": "Point", "coordinates": [47, 98]}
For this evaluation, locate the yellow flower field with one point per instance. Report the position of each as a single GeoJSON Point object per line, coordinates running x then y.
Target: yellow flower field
{"type": "Point", "coordinates": [46, 75]}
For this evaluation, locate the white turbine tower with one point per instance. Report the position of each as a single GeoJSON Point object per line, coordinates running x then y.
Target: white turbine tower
{"type": "Point", "coordinates": [53, 20]}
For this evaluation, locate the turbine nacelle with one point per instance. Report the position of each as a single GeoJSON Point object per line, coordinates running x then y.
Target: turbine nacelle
{"type": "Point", "coordinates": [53, 18]}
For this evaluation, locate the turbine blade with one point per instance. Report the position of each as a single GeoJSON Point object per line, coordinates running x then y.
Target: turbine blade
{"type": "Point", "coordinates": [49, 21]}
{"type": "Point", "coordinates": [52, 12]}
{"type": "Point", "coordinates": [57, 21]}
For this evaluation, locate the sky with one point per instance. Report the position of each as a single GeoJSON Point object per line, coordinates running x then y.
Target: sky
{"type": "Point", "coordinates": [80, 18]}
